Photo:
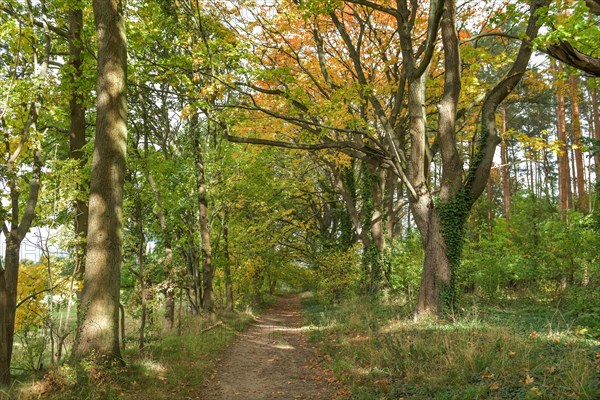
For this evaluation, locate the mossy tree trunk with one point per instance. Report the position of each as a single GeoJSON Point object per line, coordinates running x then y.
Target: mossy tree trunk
{"type": "Point", "coordinates": [442, 222]}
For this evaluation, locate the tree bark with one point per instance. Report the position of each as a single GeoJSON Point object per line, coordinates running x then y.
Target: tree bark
{"type": "Point", "coordinates": [77, 132]}
{"type": "Point", "coordinates": [207, 264]}
{"type": "Point", "coordinates": [8, 301]}
{"type": "Point", "coordinates": [576, 126]}
{"type": "Point", "coordinates": [436, 276]}
{"type": "Point", "coordinates": [227, 269]}
{"type": "Point", "coordinates": [14, 236]}
{"type": "Point", "coordinates": [564, 183]}
{"type": "Point", "coordinates": [98, 327]}
{"type": "Point", "coordinates": [504, 168]}
{"type": "Point", "coordinates": [596, 131]}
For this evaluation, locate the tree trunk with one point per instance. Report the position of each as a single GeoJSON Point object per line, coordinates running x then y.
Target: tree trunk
{"type": "Point", "coordinates": [98, 327]}
{"type": "Point", "coordinates": [207, 265]}
{"type": "Point", "coordinates": [77, 132]}
{"type": "Point", "coordinates": [436, 277]}
{"type": "Point", "coordinates": [504, 168]}
{"type": "Point", "coordinates": [564, 183]}
{"type": "Point", "coordinates": [8, 303]}
{"type": "Point", "coordinates": [227, 269]}
{"type": "Point", "coordinates": [596, 132]}
{"type": "Point", "coordinates": [169, 321]}
{"type": "Point", "coordinates": [576, 124]}
{"type": "Point", "coordinates": [378, 278]}
{"type": "Point", "coordinates": [142, 283]}
{"type": "Point", "coordinates": [490, 198]}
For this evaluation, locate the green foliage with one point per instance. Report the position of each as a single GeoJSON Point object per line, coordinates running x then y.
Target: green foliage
{"type": "Point", "coordinates": [534, 258]}
{"type": "Point", "coordinates": [173, 366]}
{"type": "Point", "coordinates": [407, 266]}
{"type": "Point", "coordinates": [337, 274]}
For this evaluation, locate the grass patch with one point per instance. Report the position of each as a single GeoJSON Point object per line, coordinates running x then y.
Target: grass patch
{"type": "Point", "coordinates": [488, 353]}
{"type": "Point", "coordinates": [171, 367]}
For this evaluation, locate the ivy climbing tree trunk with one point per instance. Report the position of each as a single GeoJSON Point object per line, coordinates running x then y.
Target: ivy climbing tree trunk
{"type": "Point", "coordinates": [442, 223]}
{"type": "Point", "coordinates": [98, 325]}
{"type": "Point", "coordinates": [404, 145]}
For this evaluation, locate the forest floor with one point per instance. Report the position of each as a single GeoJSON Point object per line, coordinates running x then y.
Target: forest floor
{"type": "Point", "coordinates": [273, 360]}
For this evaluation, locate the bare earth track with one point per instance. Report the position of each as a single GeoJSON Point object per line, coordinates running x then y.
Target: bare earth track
{"type": "Point", "coordinates": [272, 360]}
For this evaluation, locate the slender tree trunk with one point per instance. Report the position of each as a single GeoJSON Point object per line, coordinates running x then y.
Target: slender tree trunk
{"type": "Point", "coordinates": [122, 324]}
{"type": "Point", "coordinates": [596, 131]}
{"type": "Point", "coordinates": [573, 175]}
{"type": "Point", "coordinates": [227, 269]}
{"type": "Point", "coordinates": [504, 168]}
{"type": "Point", "coordinates": [169, 321]}
{"type": "Point", "coordinates": [490, 199]}
{"type": "Point", "coordinates": [77, 132]}
{"type": "Point", "coordinates": [378, 279]}
{"type": "Point", "coordinates": [142, 283]}
{"type": "Point", "coordinates": [98, 328]}
{"type": "Point", "coordinates": [207, 264]}
{"type": "Point", "coordinates": [8, 303]}
{"type": "Point", "coordinates": [564, 183]}
{"type": "Point", "coordinates": [576, 123]}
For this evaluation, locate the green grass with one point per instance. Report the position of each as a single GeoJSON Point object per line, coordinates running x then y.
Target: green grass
{"type": "Point", "coordinates": [171, 367]}
{"type": "Point", "coordinates": [491, 353]}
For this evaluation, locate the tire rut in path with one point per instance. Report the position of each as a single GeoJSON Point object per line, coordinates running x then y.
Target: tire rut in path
{"type": "Point", "coordinates": [271, 360]}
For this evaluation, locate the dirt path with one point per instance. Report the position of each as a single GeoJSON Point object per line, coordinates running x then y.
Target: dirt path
{"type": "Point", "coordinates": [272, 360]}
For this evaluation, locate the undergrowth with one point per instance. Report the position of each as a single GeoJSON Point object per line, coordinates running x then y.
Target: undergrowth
{"type": "Point", "coordinates": [489, 353]}
{"type": "Point", "coordinates": [171, 367]}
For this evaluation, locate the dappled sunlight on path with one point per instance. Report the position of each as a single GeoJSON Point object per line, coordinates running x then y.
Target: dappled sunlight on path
{"type": "Point", "coordinates": [272, 360]}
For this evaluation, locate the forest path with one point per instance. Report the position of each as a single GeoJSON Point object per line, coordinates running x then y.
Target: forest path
{"type": "Point", "coordinates": [272, 360]}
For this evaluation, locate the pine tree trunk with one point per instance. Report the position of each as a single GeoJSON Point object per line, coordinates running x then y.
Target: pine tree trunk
{"type": "Point", "coordinates": [576, 123]}
{"type": "Point", "coordinates": [596, 132]}
{"type": "Point", "coordinates": [564, 183]}
{"type": "Point", "coordinates": [98, 326]}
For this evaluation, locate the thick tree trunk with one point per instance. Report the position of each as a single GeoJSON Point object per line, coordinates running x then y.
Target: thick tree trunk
{"type": "Point", "coordinates": [436, 276]}
{"type": "Point", "coordinates": [98, 328]}
{"type": "Point", "coordinates": [576, 126]}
